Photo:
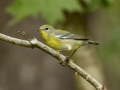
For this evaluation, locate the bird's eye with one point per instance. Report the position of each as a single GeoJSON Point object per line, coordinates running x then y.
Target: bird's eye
{"type": "Point", "coordinates": [46, 28]}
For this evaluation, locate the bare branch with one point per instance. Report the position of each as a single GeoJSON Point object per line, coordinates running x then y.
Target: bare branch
{"type": "Point", "coordinates": [23, 34]}
{"type": "Point", "coordinates": [60, 57]}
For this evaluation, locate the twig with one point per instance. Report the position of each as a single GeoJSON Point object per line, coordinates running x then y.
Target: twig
{"type": "Point", "coordinates": [53, 53]}
{"type": "Point", "coordinates": [23, 34]}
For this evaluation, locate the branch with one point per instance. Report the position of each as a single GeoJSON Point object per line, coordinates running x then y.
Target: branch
{"type": "Point", "coordinates": [36, 44]}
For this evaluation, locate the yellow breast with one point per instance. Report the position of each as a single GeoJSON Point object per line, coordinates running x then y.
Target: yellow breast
{"type": "Point", "coordinates": [51, 41]}
{"type": "Point", "coordinates": [54, 43]}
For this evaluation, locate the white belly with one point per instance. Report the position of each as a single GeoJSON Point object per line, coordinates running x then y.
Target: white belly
{"type": "Point", "coordinates": [70, 44]}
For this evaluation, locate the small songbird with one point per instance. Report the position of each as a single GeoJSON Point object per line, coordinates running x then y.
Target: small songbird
{"type": "Point", "coordinates": [63, 40]}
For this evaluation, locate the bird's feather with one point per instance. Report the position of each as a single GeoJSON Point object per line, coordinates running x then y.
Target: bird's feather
{"type": "Point", "coordinates": [61, 34]}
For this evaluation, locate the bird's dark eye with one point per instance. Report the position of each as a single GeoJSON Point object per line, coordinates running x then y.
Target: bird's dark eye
{"type": "Point", "coordinates": [46, 28]}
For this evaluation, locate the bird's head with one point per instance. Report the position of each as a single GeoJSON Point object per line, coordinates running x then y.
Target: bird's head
{"type": "Point", "coordinates": [46, 29]}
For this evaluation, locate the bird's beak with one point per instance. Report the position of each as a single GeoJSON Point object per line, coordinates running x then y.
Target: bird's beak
{"type": "Point", "coordinates": [40, 30]}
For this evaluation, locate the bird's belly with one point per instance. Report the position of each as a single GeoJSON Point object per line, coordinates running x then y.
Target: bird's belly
{"type": "Point", "coordinates": [70, 44]}
{"type": "Point", "coordinates": [64, 44]}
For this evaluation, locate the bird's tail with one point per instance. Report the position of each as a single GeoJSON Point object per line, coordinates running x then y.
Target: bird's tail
{"type": "Point", "coordinates": [93, 42]}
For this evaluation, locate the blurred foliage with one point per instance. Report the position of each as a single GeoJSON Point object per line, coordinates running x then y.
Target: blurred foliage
{"type": "Point", "coordinates": [51, 10]}
{"type": "Point", "coordinates": [92, 5]}
{"type": "Point", "coordinates": [111, 48]}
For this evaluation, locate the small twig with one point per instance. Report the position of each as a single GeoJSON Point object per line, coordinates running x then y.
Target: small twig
{"type": "Point", "coordinates": [23, 34]}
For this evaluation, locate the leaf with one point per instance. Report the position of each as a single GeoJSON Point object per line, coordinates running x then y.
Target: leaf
{"type": "Point", "coordinates": [51, 10]}
{"type": "Point", "coordinates": [92, 5]}
{"type": "Point", "coordinates": [107, 3]}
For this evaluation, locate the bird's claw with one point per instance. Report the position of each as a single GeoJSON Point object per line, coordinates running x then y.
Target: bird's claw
{"type": "Point", "coordinates": [62, 63]}
{"type": "Point", "coordinates": [66, 61]}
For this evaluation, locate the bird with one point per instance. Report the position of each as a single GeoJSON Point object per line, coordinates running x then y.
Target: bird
{"type": "Point", "coordinates": [63, 40]}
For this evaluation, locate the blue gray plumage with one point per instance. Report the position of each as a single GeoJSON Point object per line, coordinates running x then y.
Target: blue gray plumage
{"type": "Point", "coordinates": [68, 35]}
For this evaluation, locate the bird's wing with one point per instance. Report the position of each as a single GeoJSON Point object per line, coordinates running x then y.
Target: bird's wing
{"type": "Point", "coordinates": [61, 34]}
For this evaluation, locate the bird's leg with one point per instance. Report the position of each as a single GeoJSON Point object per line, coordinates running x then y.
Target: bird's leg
{"type": "Point", "coordinates": [73, 53]}
{"type": "Point", "coordinates": [60, 62]}
{"type": "Point", "coordinates": [67, 59]}
{"type": "Point", "coordinates": [65, 63]}
{"type": "Point", "coordinates": [58, 52]}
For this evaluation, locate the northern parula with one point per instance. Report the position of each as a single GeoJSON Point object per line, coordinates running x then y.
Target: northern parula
{"type": "Point", "coordinates": [63, 40]}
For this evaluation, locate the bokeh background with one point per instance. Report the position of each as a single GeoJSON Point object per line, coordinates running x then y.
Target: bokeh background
{"type": "Point", "coordinates": [32, 69]}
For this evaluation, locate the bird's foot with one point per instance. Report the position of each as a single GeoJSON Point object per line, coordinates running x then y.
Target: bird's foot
{"type": "Point", "coordinates": [65, 63]}
{"type": "Point", "coordinates": [58, 52]}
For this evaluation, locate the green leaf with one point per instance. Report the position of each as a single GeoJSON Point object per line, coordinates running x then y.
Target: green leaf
{"type": "Point", "coordinates": [107, 3]}
{"type": "Point", "coordinates": [51, 10]}
{"type": "Point", "coordinates": [92, 5]}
